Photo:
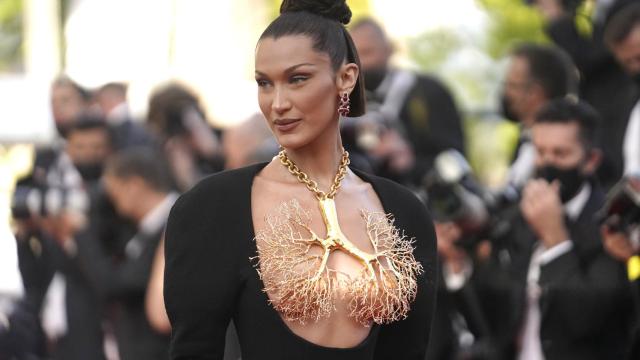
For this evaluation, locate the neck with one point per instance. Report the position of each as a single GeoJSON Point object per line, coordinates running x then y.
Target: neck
{"type": "Point", "coordinates": [319, 160]}
{"type": "Point", "coordinates": [147, 203]}
{"type": "Point", "coordinates": [527, 121]}
{"type": "Point", "coordinates": [530, 117]}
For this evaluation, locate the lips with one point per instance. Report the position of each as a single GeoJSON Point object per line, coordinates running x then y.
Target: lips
{"type": "Point", "coordinates": [286, 124]}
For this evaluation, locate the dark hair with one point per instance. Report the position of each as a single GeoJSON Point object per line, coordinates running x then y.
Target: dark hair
{"type": "Point", "coordinates": [322, 21]}
{"type": "Point", "coordinates": [63, 80]}
{"type": "Point", "coordinates": [88, 122]}
{"type": "Point", "coordinates": [550, 67]}
{"type": "Point", "coordinates": [167, 106]}
{"type": "Point", "coordinates": [621, 22]}
{"type": "Point", "coordinates": [143, 163]}
{"type": "Point", "coordinates": [570, 110]}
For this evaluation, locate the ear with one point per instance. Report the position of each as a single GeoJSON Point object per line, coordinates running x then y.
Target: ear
{"type": "Point", "coordinates": [594, 157]}
{"type": "Point", "coordinates": [347, 76]}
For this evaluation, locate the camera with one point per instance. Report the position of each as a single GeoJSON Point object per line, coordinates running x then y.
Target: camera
{"type": "Point", "coordinates": [28, 201]}
{"type": "Point", "coordinates": [621, 211]}
{"type": "Point", "coordinates": [454, 195]}
{"type": "Point", "coordinates": [364, 132]}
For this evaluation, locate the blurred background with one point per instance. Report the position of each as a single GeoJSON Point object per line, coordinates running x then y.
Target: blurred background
{"type": "Point", "coordinates": [81, 81]}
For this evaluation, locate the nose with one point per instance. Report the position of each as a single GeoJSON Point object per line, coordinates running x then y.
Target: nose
{"type": "Point", "coordinates": [281, 101]}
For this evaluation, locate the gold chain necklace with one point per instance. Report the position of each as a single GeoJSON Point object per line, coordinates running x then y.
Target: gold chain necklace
{"type": "Point", "coordinates": [312, 185]}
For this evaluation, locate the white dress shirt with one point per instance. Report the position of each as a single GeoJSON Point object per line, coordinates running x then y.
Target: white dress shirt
{"type": "Point", "coordinates": [631, 144]}
{"type": "Point", "coordinates": [152, 222]}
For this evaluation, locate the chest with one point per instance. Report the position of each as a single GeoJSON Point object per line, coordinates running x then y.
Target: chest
{"type": "Point", "coordinates": [321, 257]}
{"type": "Point", "coordinates": [298, 221]}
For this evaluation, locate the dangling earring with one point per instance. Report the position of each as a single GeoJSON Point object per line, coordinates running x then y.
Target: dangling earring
{"type": "Point", "coordinates": [344, 108]}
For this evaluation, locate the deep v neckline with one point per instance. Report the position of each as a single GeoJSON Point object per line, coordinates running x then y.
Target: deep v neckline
{"type": "Point", "coordinates": [255, 170]}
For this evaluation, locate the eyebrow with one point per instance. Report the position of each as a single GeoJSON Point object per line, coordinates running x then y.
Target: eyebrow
{"type": "Point", "coordinates": [289, 69]}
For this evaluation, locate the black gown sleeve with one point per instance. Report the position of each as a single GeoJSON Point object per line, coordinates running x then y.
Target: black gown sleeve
{"type": "Point", "coordinates": [200, 279]}
{"type": "Point", "coordinates": [408, 339]}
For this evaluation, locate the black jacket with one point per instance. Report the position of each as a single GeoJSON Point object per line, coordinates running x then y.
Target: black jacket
{"type": "Point", "coordinates": [121, 280]}
{"type": "Point", "coordinates": [584, 301]}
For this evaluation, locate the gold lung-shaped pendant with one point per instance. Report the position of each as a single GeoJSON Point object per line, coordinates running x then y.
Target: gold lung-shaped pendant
{"type": "Point", "coordinates": [304, 289]}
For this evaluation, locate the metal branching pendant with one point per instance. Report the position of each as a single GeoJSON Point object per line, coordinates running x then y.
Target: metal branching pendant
{"type": "Point", "coordinates": [305, 289]}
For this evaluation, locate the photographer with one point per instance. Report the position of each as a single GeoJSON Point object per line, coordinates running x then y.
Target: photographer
{"type": "Point", "coordinates": [191, 146]}
{"type": "Point", "coordinates": [621, 238]}
{"type": "Point", "coordinates": [622, 35]}
{"type": "Point", "coordinates": [138, 184]}
{"type": "Point", "coordinates": [463, 330]}
{"type": "Point", "coordinates": [410, 117]}
{"type": "Point", "coordinates": [547, 288]}
{"type": "Point", "coordinates": [556, 251]}
{"type": "Point", "coordinates": [54, 282]}
{"type": "Point", "coordinates": [536, 75]}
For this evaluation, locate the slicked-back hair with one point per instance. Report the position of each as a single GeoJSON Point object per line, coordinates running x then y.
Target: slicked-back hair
{"type": "Point", "coordinates": [549, 67]}
{"type": "Point", "coordinates": [143, 163]}
{"type": "Point", "coordinates": [569, 110]}
{"type": "Point", "coordinates": [621, 23]}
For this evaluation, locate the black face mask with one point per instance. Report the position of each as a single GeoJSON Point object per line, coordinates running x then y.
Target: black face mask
{"type": "Point", "coordinates": [63, 129]}
{"type": "Point", "coordinates": [374, 77]}
{"type": "Point", "coordinates": [570, 179]}
{"type": "Point", "coordinates": [90, 171]}
{"type": "Point", "coordinates": [505, 108]}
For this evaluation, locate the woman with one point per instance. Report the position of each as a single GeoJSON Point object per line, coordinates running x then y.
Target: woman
{"type": "Point", "coordinates": [304, 273]}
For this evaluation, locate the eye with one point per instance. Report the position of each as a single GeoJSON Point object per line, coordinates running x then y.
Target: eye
{"type": "Point", "coordinates": [262, 82]}
{"type": "Point", "coordinates": [296, 79]}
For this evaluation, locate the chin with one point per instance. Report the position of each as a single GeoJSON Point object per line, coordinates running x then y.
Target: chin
{"type": "Point", "coordinates": [292, 141]}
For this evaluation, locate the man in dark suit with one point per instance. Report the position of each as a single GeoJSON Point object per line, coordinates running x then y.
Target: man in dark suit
{"type": "Point", "coordinates": [55, 284]}
{"type": "Point", "coordinates": [559, 295]}
{"type": "Point", "coordinates": [415, 113]}
{"type": "Point", "coordinates": [138, 185]}
{"type": "Point", "coordinates": [622, 244]}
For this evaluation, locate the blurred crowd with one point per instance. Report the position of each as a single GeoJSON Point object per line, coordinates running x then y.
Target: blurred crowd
{"type": "Point", "coordinates": [545, 267]}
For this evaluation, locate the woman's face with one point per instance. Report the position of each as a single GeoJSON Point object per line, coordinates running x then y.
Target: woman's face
{"type": "Point", "coordinates": [298, 90]}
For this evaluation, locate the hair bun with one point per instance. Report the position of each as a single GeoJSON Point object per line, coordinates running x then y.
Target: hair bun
{"type": "Point", "coordinates": [337, 10]}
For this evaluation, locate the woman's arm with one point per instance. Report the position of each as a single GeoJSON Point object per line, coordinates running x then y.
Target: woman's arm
{"type": "Point", "coordinates": [154, 302]}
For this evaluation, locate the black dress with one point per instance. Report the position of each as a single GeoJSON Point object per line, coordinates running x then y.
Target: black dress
{"type": "Point", "coordinates": [209, 278]}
